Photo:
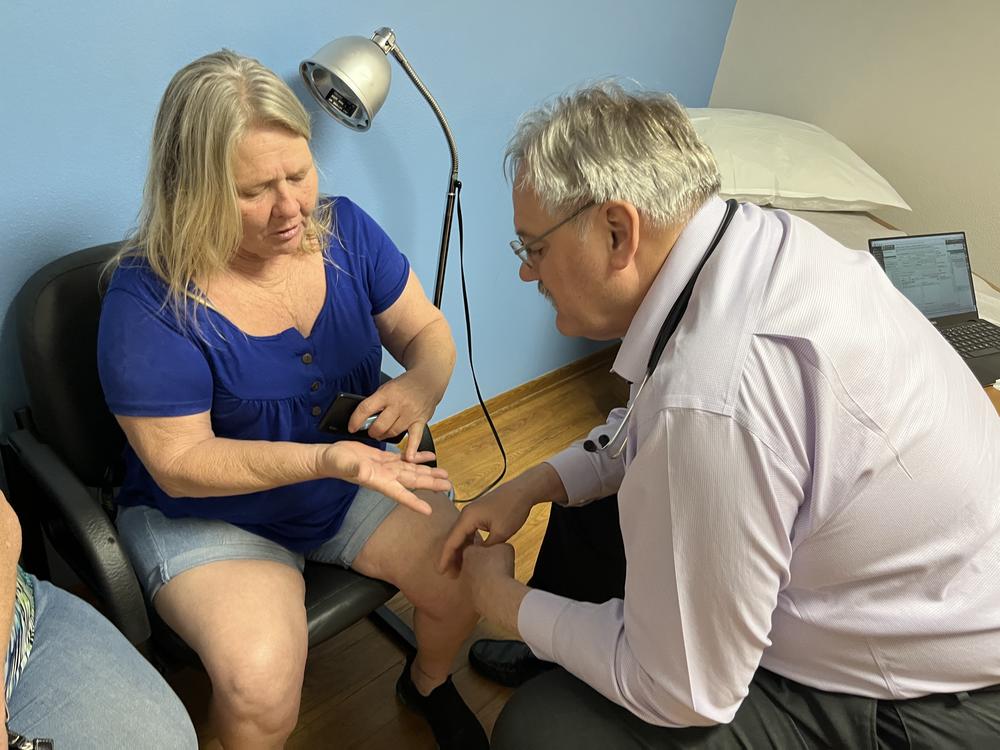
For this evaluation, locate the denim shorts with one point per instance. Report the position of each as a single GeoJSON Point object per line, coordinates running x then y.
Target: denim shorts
{"type": "Point", "coordinates": [161, 548]}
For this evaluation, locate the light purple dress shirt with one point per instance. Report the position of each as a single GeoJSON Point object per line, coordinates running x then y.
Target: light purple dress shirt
{"type": "Point", "coordinates": [811, 484]}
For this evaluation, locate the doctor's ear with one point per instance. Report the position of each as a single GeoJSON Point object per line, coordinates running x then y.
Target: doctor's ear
{"type": "Point", "coordinates": [622, 224]}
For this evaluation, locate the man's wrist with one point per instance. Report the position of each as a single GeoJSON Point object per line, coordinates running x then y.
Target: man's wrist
{"type": "Point", "coordinates": [546, 484]}
{"type": "Point", "coordinates": [527, 497]}
{"type": "Point", "coordinates": [499, 601]}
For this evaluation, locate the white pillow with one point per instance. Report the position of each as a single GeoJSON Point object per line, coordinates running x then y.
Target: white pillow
{"type": "Point", "coordinates": [772, 160]}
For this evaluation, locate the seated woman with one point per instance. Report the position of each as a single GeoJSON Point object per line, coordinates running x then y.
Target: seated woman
{"type": "Point", "coordinates": [238, 310]}
{"type": "Point", "coordinates": [70, 676]}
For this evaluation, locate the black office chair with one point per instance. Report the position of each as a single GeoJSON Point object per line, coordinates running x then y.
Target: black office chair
{"type": "Point", "coordinates": [64, 461]}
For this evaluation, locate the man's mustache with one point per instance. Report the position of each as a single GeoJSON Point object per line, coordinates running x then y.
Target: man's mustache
{"type": "Point", "coordinates": [546, 293]}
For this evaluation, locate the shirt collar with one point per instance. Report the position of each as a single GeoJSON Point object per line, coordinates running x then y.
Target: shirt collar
{"type": "Point", "coordinates": [683, 258]}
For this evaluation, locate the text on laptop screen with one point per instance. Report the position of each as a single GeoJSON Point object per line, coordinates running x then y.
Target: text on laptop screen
{"type": "Point", "coordinates": [932, 271]}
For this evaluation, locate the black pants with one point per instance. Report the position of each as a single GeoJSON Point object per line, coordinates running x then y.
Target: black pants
{"type": "Point", "coordinates": [582, 557]}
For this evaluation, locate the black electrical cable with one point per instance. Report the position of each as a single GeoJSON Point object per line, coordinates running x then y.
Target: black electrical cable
{"type": "Point", "coordinates": [468, 338]}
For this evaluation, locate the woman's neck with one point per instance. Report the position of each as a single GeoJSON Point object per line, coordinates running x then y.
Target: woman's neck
{"type": "Point", "coordinates": [264, 272]}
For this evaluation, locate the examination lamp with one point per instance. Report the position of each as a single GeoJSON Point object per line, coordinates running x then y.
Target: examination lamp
{"type": "Point", "coordinates": [350, 78]}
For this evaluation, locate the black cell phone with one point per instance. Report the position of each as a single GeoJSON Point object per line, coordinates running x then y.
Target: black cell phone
{"type": "Point", "coordinates": [339, 412]}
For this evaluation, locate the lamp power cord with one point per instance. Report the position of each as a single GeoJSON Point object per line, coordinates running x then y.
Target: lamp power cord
{"type": "Point", "coordinates": [472, 366]}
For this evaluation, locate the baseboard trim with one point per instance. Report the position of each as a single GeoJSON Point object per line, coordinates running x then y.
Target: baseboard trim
{"type": "Point", "coordinates": [502, 402]}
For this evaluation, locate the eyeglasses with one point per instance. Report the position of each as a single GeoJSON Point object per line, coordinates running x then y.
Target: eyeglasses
{"type": "Point", "coordinates": [524, 250]}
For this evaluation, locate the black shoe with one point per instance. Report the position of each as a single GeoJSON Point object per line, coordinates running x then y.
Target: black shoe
{"type": "Point", "coordinates": [510, 663]}
{"type": "Point", "coordinates": [454, 725]}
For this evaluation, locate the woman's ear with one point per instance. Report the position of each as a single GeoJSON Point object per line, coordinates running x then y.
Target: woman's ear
{"type": "Point", "coordinates": [622, 220]}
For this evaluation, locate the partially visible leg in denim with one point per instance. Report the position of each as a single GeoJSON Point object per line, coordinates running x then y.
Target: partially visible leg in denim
{"type": "Point", "coordinates": [85, 686]}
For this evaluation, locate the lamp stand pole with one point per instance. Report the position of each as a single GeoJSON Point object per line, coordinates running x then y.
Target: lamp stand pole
{"type": "Point", "coordinates": [385, 38]}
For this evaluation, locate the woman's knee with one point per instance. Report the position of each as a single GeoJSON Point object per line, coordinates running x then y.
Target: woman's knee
{"type": "Point", "coordinates": [404, 550]}
{"type": "Point", "coordinates": [429, 590]}
{"type": "Point", "coordinates": [259, 681]}
{"type": "Point", "coordinates": [255, 661]}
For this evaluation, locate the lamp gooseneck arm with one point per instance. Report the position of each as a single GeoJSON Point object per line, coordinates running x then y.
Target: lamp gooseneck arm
{"type": "Point", "coordinates": [453, 182]}
{"type": "Point", "coordinates": [405, 64]}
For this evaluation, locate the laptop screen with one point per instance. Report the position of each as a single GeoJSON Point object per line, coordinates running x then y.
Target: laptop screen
{"type": "Point", "coordinates": [931, 270]}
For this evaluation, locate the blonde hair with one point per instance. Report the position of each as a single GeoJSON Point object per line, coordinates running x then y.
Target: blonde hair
{"type": "Point", "coordinates": [604, 143]}
{"type": "Point", "coordinates": [189, 225]}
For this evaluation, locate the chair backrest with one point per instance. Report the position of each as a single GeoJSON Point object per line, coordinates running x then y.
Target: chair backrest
{"type": "Point", "coordinates": [57, 311]}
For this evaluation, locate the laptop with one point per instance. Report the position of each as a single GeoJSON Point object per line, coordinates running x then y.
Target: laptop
{"type": "Point", "coordinates": [933, 272]}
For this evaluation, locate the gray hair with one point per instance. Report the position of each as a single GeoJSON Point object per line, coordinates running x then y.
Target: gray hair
{"type": "Point", "coordinates": [603, 143]}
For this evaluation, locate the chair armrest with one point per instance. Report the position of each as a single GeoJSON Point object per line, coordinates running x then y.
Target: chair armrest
{"type": "Point", "coordinates": [81, 531]}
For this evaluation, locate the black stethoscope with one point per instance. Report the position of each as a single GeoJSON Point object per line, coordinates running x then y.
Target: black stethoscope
{"type": "Point", "coordinates": [670, 324]}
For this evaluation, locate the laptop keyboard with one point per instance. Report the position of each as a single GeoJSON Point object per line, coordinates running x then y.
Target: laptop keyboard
{"type": "Point", "coordinates": [975, 339]}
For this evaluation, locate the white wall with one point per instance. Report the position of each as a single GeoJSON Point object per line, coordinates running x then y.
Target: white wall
{"type": "Point", "coordinates": [913, 86]}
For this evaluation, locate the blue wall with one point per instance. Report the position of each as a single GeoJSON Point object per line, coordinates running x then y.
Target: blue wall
{"type": "Point", "coordinates": [81, 81]}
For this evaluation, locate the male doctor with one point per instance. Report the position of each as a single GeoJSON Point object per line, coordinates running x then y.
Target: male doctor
{"type": "Point", "coordinates": [807, 477]}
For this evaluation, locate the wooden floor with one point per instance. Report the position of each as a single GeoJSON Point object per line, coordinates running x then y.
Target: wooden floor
{"type": "Point", "coordinates": [348, 698]}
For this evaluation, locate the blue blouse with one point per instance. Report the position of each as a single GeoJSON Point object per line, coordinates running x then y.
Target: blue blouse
{"type": "Point", "coordinates": [255, 387]}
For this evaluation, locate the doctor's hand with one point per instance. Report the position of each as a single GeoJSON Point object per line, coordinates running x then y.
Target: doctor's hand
{"type": "Point", "coordinates": [403, 404]}
{"type": "Point", "coordinates": [483, 568]}
{"type": "Point", "coordinates": [489, 583]}
{"type": "Point", "coordinates": [500, 513]}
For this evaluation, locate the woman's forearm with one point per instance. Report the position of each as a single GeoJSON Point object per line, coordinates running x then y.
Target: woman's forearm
{"type": "Point", "coordinates": [219, 467]}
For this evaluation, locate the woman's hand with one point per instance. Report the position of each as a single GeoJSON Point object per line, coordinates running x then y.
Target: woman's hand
{"type": "Point", "coordinates": [404, 404]}
{"type": "Point", "coordinates": [418, 337]}
{"type": "Point", "coordinates": [384, 471]}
